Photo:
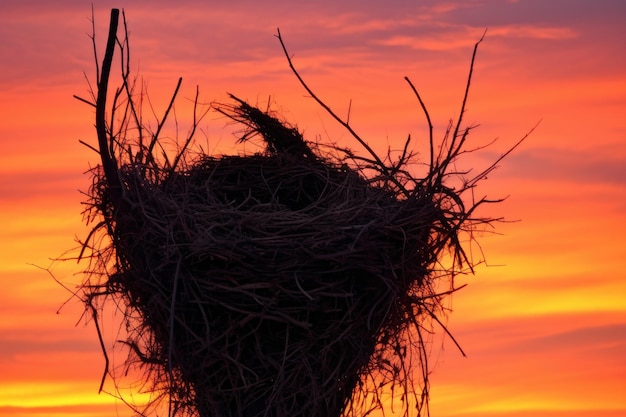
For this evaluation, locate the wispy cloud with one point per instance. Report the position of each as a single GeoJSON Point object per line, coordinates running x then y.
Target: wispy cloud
{"type": "Point", "coordinates": [543, 372]}
{"type": "Point", "coordinates": [533, 32]}
{"type": "Point", "coordinates": [599, 165]}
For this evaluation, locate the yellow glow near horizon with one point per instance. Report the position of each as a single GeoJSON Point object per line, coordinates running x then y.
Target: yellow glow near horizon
{"type": "Point", "coordinates": [50, 394]}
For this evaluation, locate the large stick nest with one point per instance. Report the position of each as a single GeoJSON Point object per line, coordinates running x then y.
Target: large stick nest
{"type": "Point", "coordinates": [289, 282]}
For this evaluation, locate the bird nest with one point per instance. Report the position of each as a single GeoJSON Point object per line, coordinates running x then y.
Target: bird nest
{"type": "Point", "coordinates": [289, 282]}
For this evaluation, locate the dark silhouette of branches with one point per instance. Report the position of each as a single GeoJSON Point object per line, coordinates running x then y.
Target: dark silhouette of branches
{"type": "Point", "coordinates": [285, 283]}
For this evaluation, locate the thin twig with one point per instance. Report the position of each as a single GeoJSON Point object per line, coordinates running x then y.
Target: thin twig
{"type": "Point", "coordinates": [93, 44]}
{"type": "Point", "coordinates": [430, 124]}
{"type": "Point", "coordinates": [83, 100]}
{"type": "Point", "coordinates": [379, 163]}
{"type": "Point", "coordinates": [94, 314]}
{"type": "Point", "coordinates": [155, 136]}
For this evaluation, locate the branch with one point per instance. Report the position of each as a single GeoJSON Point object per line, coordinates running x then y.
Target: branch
{"type": "Point", "coordinates": [494, 165]}
{"type": "Point", "coordinates": [467, 87]}
{"type": "Point", "coordinates": [94, 314]}
{"type": "Point", "coordinates": [93, 44]}
{"type": "Point", "coordinates": [191, 134]}
{"type": "Point", "coordinates": [380, 164]}
{"type": "Point", "coordinates": [430, 124]}
{"type": "Point", "coordinates": [155, 136]}
{"type": "Point", "coordinates": [83, 100]}
{"type": "Point", "coordinates": [125, 62]}
{"type": "Point", "coordinates": [108, 159]}
{"type": "Point", "coordinates": [456, 143]}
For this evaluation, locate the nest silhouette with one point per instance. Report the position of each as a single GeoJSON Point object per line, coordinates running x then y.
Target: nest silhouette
{"type": "Point", "coordinates": [288, 282]}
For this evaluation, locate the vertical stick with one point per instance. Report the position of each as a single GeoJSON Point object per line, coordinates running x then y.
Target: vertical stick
{"type": "Point", "coordinates": [104, 140]}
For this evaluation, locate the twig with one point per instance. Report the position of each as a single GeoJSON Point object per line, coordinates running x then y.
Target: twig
{"type": "Point", "coordinates": [125, 74]}
{"type": "Point", "coordinates": [191, 134]}
{"type": "Point", "coordinates": [494, 165]}
{"type": "Point", "coordinates": [379, 163]}
{"type": "Point", "coordinates": [456, 143]}
{"type": "Point", "coordinates": [83, 100]}
{"type": "Point", "coordinates": [430, 124]}
{"type": "Point", "coordinates": [94, 314]}
{"type": "Point", "coordinates": [93, 44]}
{"type": "Point", "coordinates": [467, 86]}
{"type": "Point", "coordinates": [155, 136]}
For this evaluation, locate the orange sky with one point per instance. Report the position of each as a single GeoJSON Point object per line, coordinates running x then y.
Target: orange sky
{"type": "Point", "coordinates": [544, 326]}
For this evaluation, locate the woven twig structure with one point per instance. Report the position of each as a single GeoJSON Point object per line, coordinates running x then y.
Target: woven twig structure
{"type": "Point", "coordinates": [282, 283]}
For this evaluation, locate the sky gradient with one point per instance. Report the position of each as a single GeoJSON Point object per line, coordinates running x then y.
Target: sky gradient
{"type": "Point", "coordinates": [543, 321]}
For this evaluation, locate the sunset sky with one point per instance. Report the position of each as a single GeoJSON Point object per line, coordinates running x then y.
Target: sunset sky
{"type": "Point", "coordinates": [543, 320]}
